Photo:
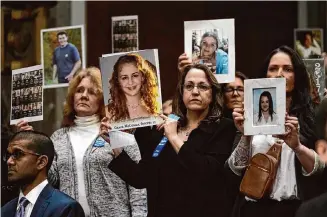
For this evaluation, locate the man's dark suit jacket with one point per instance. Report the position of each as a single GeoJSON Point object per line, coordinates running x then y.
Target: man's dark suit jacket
{"type": "Point", "coordinates": [51, 202]}
{"type": "Point", "coordinates": [316, 207]}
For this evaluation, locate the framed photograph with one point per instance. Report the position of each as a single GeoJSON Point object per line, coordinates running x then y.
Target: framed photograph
{"type": "Point", "coordinates": [124, 33]}
{"type": "Point", "coordinates": [211, 42]}
{"type": "Point", "coordinates": [316, 70]}
{"type": "Point", "coordinates": [265, 106]}
{"type": "Point", "coordinates": [309, 42]}
{"type": "Point", "coordinates": [24, 84]}
{"type": "Point", "coordinates": [62, 54]}
{"type": "Point", "coordinates": [131, 88]}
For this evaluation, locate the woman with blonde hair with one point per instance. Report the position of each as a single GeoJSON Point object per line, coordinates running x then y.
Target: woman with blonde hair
{"type": "Point", "coordinates": [133, 89]}
{"type": "Point", "coordinates": [81, 168]}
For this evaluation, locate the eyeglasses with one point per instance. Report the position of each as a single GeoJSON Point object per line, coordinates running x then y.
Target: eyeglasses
{"type": "Point", "coordinates": [201, 87]}
{"type": "Point", "coordinates": [230, 90]}
{"type": "Point", "coordinates": [17, 154]}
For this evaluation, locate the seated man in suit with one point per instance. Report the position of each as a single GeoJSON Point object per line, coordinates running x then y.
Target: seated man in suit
{"type": "Point", "coordinates": [29, 157]}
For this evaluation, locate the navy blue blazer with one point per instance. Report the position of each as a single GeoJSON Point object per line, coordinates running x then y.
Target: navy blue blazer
{"type": "Point", "coordinates": [51, 202]}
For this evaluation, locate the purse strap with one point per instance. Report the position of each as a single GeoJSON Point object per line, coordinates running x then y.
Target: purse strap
{"type": "Point", "coordinates": [275, 151]}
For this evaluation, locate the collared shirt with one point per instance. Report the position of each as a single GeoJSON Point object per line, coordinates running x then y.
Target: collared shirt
{"type": "Point", "coordinates": [272, 120]}
{"type": "Point", "coordinates": [32, 197]}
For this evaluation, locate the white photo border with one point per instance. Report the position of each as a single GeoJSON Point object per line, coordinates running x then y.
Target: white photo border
{"type": "Point", "coordinates": [19, 71]}
{"type": "Point", "coordinates": [229, 30]}
{"type": "Point", "coordinates": [249, 85]}
{"type": "Point", "coordinates": [83, 51]}
{"type": "Point", "coordinates": [119, 18]}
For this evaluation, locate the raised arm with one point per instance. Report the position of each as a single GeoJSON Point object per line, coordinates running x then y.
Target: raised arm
{"type": "Point", "coordinates": [240, 157]}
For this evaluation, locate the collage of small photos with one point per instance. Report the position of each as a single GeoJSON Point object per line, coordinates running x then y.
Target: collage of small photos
{"type": "Point", "coordinates": [27, 91]}
{"type": "Point", "coordinates": [125, 34]}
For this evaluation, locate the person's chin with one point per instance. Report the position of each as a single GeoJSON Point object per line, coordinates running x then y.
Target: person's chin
{"type": "Point", "coordinates": [195, 107]}
{"type": "Point", "coordinates": [12, 178]}
{"type": "Point", "coordinates": [132, 93]}
{"type": "Point", "coordinates": [237, 105]}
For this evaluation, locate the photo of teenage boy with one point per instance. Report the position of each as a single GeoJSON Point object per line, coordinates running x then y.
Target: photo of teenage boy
{"type": "Point", "coordinates": [27, 79]}
{"type": "Point", "coordinates": [66, 59]}
{"type": "Point", "coordinates": [35, 94]}
{"type": "Point", "coordinates": [34, 111]}
{"type": "Point", "coordinates": [39, 108]}
{"type": "Point", "coordinates": [30, 95]}
{"type": "Point", "coordinates": [31, 81]}
{"type": "Point", "coordinates": [29, 111]}
{"type": "Point", "coordinates": [14, 80]}
{"type": "Point", "coordinates": [39, 89]}
{"type": "Point", "coordinates": [25, 99]}
{"type": "Point", "coordinates": [40, 78]}
{"type": "Point", "coordinates": [21, 97]}
{"type": "Point", "coordinates": [18, 80]}
{"type": "Point", "coordinates": [24, 114]}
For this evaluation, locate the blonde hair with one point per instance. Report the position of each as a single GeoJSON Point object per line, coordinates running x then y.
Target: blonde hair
{"type": "Point", "coordinates": [95, 76]}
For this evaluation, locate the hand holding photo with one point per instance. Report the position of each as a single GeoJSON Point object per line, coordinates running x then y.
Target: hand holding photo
{"type": "Point", "coordinates": [265, 106]}
{"type": "Point", "coordinates": [131, 86]}
{"type": "Point", "coordinates": [211, 42]}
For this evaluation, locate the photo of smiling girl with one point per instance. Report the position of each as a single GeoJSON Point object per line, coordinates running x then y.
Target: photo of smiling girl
{"type": "Point", "coordinates": [133, 89]}
{"type": "Point", "coordinates": [265, 115]}
{"type": "Point", "coordinates": [133, 96]}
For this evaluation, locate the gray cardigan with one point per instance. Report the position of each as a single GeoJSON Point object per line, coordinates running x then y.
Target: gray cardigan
{"type": "Point", "coordinates": [107, 194]}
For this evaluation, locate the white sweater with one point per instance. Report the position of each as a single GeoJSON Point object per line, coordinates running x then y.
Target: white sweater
{"type": "Point", "coordinates": [82, 135]}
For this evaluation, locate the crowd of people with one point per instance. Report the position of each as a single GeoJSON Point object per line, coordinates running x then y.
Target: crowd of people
{"type": "Point", "coordinates": [76, 172]}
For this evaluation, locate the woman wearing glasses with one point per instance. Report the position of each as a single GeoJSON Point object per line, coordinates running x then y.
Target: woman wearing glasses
{"type": "Point", "coordinates": [233, 94]}
{"type": "Point", "coordinates": [187, 178]}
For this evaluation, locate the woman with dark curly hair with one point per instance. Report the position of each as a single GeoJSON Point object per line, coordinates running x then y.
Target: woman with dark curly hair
{"type": "Point", "coordinates": [133, 89]}
{"type": "Point", "coordinates": [187, 178]}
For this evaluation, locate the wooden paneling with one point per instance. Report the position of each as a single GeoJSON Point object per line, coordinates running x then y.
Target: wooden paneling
{"type": "Point", "coordinates": [259, 28]}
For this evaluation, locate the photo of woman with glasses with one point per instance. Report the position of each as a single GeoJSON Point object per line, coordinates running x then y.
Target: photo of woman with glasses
{"type": "Point", "coordinates": [265, 114]}
{"type": "Point", "coordinates": [208, 52]}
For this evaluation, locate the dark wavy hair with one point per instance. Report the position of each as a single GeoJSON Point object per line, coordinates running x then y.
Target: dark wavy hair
{"type": "Point", "coordinates": [301, 105]}
{"type": "Point", "coordinates": [216, 105]}
{"type": "Point", "coordinates": [271, 104]}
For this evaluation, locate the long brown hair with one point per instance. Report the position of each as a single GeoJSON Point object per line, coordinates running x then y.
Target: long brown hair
{"type": "Point", "coordinates": [117, 107]}
{"type": "Point", "coordinates": [95, 76]}
{"type": "Point", "coordinates": [216, 105]}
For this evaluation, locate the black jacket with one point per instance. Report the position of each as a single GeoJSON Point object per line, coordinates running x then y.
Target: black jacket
{"type": "Point", "coordinates": [195, 177]}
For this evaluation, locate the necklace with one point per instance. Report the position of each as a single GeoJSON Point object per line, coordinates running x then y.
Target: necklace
{"type": "Point", "coordinates": [133, 106]}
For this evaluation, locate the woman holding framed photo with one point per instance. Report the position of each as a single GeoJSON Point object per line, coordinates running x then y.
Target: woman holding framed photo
{"type": "Point", "coordinates": [294, 182]}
